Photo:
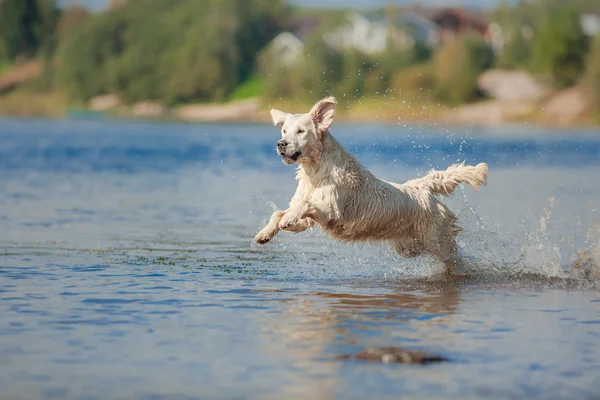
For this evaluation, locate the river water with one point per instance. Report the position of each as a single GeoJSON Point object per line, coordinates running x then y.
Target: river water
{"type": "Point", "coordinates": [127, 268]}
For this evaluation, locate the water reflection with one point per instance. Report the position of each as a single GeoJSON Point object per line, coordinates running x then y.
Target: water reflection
{"type": "Point", "coordinates": [312, 329]}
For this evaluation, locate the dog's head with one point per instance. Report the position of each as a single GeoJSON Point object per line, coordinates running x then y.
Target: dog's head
{"type": "Point", "coordinates": [302, 134]}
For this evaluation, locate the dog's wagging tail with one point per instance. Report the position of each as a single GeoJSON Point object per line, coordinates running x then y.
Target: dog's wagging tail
{"type": "Point", "coordinates": [349, 203]}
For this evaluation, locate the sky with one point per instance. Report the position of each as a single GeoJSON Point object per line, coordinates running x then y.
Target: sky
{"type": "Point", "coordinates": [99, 4]}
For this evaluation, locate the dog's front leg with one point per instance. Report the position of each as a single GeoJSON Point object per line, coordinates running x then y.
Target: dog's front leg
{"type": "Point", "coordinates": [301, 225]}
{"type": "Point", "coordinates": [298, 218]}
{"type": "Point", "coordinates": [271, 229]}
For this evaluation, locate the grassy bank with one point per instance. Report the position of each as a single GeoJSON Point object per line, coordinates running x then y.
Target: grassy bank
{"type": "Point", "coordinates": [411, 108]}
{"type": "Point", "coordinates": [30, 103]}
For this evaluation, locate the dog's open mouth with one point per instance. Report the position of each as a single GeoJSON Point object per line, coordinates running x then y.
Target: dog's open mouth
{"type": "Point", "coordinates": [290, 159]}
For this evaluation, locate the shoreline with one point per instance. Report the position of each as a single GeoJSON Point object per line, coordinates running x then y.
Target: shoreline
{"type": "Point", "coordinates": [486, 113]}
{"type": "Point", "coordinates": [435, 124]}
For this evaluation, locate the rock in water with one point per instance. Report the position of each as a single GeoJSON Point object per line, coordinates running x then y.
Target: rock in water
{"type": "Point", "coordinates": [394, 355]}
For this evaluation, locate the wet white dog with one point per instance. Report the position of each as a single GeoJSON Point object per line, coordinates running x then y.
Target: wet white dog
{"type": "Point", "coordinates": [349, 203]}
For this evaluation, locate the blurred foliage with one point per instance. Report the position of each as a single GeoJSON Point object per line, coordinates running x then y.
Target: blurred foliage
{"type": "Point", "coordinates": [27, 102]}
{"type": "Point", "coordinates": [70, 18]}
{"type": "Point", "coordinates": [251, 87]}
{"type": "Point", "coordinates": [517, 51]}
{"type": "Point", "coordinates": [319, 70]}
{"type": "Point", "coordinates": [592, 75]}
{"type": "Point", "coordinates": [176, 51]}
{"type": "Point", "coordinates": [559, 47]}
{"type": "Point", "coordinates": [27, 28]}
{"type": "Point", "coordinates": [180, 51]}
{"type": "Point", "coordinates": [323, 70]}
{"type": "Point", "coordinates": [416, 78]}
{"type": "Point", "coordinates": [545, 37]}
{"type": "Point", "coordinates": [456, 67]}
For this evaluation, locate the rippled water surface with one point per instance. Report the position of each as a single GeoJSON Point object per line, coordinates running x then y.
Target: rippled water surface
{"type": "Point", "coordinates": [127, 268]}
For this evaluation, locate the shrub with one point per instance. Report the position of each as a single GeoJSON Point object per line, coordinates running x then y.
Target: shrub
{"type": "Point", "coordinates": [251, 87]}
{"type": "Point", "coordinates": [417, 78]}
{"type": "Point", "coordinates": [317, 72]}
{"type": "Point", "coordinates": [560, 46]}
{"type": "Point", "coordinates": [71, 17]}
{"type": "Point", "coordinates": [592, 75]}
{"type": "Point", "coordinates": [456, 66]}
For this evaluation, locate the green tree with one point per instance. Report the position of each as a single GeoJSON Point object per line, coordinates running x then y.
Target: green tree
{"type": "Point", "coordinates": [560, 46]}
{"type": "Point", "coordinates": [323, 69]}
{"type": "Point", "coordinates": [87, 56]}
{"type": "Point", "coordinates": [517, 51]}
{"type": "Point", "coordinates": [275, 76]}
{"type": "Point", "coordinates": [175, 51]}
{"type": "Point", "coordinates": [27, 26]}
{"type": "Point", "coordinates": [592, 74]}
{"type": "Point", "coordinates": [353, 66]}
{"type": "Point", "coordinates": [262, 21]}
{"type": "Point", "coordinates": [71, 17]}
{"type": "Point", "coordinates": [46, 31]}
{"type": "Point", "coordinates": [416, 79]}
{"type": "Point", "coordinates": [320, 70]}
{"type": "Point", "coordinates": [517, 22]}
{"type": "Point", "coordinates": [456, 66]}
{"type": "Point", "coordinates": [317, 72]}
{"type": "Point", "coordinates": [18, 24]}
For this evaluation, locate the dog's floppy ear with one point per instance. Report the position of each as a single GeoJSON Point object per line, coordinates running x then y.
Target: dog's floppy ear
{"type": "Point", "coordinates": [278, 117]}
{"type": "Point", "coordinates": [322, 113]}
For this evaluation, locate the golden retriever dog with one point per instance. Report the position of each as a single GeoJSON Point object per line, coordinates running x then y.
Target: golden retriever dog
{"type": "Point", "coordinates": [351, 204]}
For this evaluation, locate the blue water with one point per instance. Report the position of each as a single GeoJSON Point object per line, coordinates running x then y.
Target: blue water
{"type": "Point", "coordinates": [127, 268]}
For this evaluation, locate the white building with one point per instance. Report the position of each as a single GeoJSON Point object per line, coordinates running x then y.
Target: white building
{"type": "Point", "coordinates": [590, 23]}
{"type": "Point", "coordinates": [359, 33]}
{"type": "Point", "coordinates": [287, 47]}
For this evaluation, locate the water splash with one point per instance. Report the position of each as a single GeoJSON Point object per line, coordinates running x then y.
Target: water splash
{"type": "Point", "coordinates": [585, 262]}
{"type": "Point", "coordinates": [489, 250]}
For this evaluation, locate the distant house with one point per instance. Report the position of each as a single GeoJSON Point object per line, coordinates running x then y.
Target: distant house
{"type": "Point", "coordinates": [114, 4]}
{"type": "Point", "coordinates": [372, 35]}
{"type": "Point", "coordinates": [590, 23]}
{"type": "Point", "coordinates": [287, 47]}
{"type": "Point", "coordinates": [454, 21]}
{"type": "Point", "coordinates": [419, 27]}
{"type": "Point", "coordinates": [360, 33]}
{"type": "Point", "coordinates": [357, 32]}
{"type": "Point", "coordinates": [434, 26]}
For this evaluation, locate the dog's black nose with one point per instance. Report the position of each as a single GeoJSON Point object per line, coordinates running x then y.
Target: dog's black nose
{"type": "Point", "coordinates": [281, 144]}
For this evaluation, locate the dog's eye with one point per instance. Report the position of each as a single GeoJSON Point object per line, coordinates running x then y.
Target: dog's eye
{"type": "Point", "coordinates": [301, 131]}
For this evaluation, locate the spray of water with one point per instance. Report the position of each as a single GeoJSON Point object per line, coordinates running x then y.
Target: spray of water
{"type": "Point", "coordinates": [488, 250]}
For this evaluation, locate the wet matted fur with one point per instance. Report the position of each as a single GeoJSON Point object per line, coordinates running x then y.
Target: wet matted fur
{"type": "Point", "coordinates": [351, 204]}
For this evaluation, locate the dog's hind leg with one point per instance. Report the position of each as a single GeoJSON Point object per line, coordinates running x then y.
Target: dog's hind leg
{"type": "Point", "coordinates": [408, 247]}
{"type": "Point", "coordinates": [443, 246]}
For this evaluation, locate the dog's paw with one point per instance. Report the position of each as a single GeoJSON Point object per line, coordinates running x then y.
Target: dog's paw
{"type": "Point", "coordinates": [263, 237]}
{"type": "Point", "coordinates": [288, 222]}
